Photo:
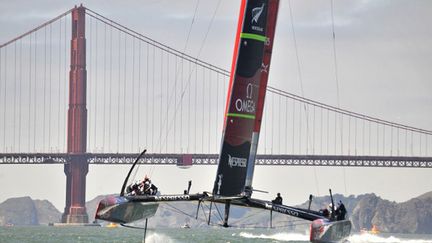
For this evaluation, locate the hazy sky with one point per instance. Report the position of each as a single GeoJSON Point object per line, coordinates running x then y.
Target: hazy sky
{"type": "Point", "coordinates": [384, 57]}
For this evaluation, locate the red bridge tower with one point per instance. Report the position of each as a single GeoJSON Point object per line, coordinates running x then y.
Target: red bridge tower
{"type": "Point", "coordinates": [77, 167]}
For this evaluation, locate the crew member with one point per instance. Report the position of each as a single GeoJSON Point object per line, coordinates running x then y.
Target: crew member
{"type": "Point", "coordinates": [148, 187]}
{"type": "Point", "coordinates": [278, 199]}
{"type": "Point", "coordinates": [134, 189]}
{"type": "Point", "coordinates": [325, 212]}
{"type": "Point", "coordinates": [340, 211]}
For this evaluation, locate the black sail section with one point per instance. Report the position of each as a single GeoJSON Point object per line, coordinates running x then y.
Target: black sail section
{"type": "Point", "coordinates": [243, 99]}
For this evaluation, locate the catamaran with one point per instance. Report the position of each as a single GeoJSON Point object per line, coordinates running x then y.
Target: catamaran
{"type": "Point", "coordinates": [242, 123]}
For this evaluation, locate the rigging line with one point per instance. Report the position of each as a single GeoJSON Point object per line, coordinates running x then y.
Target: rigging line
{"type": "Point", "coordinates": [190, 27]}
{"type": "Point", "coordinates": [15, 96]}
{"type": "Point", "coordinates": [118, 91]}
{"type": "Point", "coordinates": [176, 75]}
{"type": "Point", "coordinates": [19, 98]}
{"type": "Point", "coordinates": [259, 212]}
{"type": "Point", "coordinates": [189, 79]}
{"type": "Point", "coordinates": [4, 104]}
{"type": "Point", "coordinates": [124, 94]}
{"type": "Point", "coordinates": [286, 125]}
{"type": "Point", "coordinates": [4, 97]}
{"type": "Point", "coordinates": [156, 43]}
{"type": "Point", "coordinates": [334, 54]}
{"type": "Point", "coordinates": [139, 93]}
{"type": "Point", "coordinates": [169, 206]}
{"type": "Point", "coordinates": [59, 82]}
{"type": "Point", "coordinates": [208, 29]}
{"type": "Point", "coordinates": [203, 111]}
{"type": "Point", "coordinates": [208, 208]}
{"type": "Point", "coordinates": [299, 70]}
{"type": "Point", "coordinates": [94, 85]}
{"type": "Point", "coordinates": [190, 73]}
{"type": "Point", "coordinates": [296, 49]}
{"type": "Point", "coordinates": [44, 89]}
{"type": "Point", "coordinates": [147, 91]}
{"type": "Point", "coordinates": [104, 88]}
{"type": "Point", "coordinates": [30, 89]}
{"type": "Point", "coordinates": [4, 130]}
{"type": "Point", "coordinates": [203, 212]}
{"type": "Point", "coordinates": [65, 82]}
{"type": "Point", "coordinates": [337, 83]}
{"type": "Point", "coordinates": [35, 96]}
{"type": "Point", "coordinates": [110, 93]}
{"type": "Point", "coordinates": [189, 116]}
{"type": "Point", "coordinates": [133, 92]}
{"type": "Point", "coordinates": [167, 107]}
{"type": "Point", "coordinates": [161, 100]}
{"type": "Point", "coordinates": [50, 89]}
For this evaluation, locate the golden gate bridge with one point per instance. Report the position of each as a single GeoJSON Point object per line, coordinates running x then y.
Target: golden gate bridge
{"type": "Point", "coordinates": [116, 91]}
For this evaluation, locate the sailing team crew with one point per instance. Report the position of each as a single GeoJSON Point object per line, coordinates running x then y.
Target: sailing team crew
{"type": "Point", "coordinates": [338, 214]}
{"type": "Point", "coordinates": [278, 199]}
{"type": "Point", "coordinates": [144, 187]}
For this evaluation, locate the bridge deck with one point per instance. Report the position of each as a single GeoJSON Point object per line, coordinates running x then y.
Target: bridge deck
{"type": "Point", "coordinates": [212, 159]}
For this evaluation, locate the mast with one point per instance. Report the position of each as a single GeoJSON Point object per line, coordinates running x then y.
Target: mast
{"type": "Point", "coordinates": [246, 95]}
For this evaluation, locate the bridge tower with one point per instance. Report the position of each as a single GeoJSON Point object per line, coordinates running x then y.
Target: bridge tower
{"type": "Point", "coordinates": [77, 167]}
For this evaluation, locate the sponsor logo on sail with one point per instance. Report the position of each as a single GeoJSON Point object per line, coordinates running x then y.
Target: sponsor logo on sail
{"type": "Point", "coordinates": [264, 68]}
{"type": "Point", "coordinates": [236, 162]}
{"type": "Point", "coordinates": [256, 13]}
{"type": "Point", "coordinates": [246, 105]}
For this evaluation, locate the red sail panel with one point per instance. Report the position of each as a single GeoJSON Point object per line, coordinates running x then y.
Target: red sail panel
{"type": "Point", "coordinates": [234, 59]}
{"type": "Point", "coordinates": [246, 97]}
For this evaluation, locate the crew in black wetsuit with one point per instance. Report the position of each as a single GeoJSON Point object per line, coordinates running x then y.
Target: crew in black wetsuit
{"type": "Point", "coordinates": [133, 189]}
{"type": "Point", "coordinates": [149, 188]}
{"type": "Point", "coordinates": [340, 211]}
{"type": "Point", "coordinates": [278, 199]}
{"type": "Point", "coordinates": [145, 187]}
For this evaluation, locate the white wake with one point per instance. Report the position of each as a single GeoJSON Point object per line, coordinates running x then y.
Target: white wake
{"type": "Point", "coordinates": [157, 238]}
{"type": "Point", "coordinates": [277, 236]}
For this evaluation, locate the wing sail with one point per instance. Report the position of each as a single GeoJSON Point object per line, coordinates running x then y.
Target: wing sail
{"type": "Point", "coordinates": [248, 82]}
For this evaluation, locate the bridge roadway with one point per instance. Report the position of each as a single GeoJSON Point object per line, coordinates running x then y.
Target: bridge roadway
{"type": "Point", "coordinates": [212, 159]}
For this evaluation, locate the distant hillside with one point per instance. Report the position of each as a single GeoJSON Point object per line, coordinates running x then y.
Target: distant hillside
{"type": "Point", "coordinates": [25, 211]}
{"type": "Point", "coordinates": [413, 216]}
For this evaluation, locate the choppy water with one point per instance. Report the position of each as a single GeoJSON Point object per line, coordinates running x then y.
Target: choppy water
{"type": "Point", "coordinates": [102, 234]}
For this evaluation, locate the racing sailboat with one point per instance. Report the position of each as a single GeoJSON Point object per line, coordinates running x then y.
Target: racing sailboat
{"type": "Point", "coordinates": [243, 115]}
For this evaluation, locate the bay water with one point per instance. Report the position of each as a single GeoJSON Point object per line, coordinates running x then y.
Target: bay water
{"type": "Point", "coordinates": [180, 235]}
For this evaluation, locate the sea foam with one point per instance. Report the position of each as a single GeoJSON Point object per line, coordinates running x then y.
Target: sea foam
{"type": "Point", "coordinates": [156, 238]}
{"type": "Point", "coordinates": [277, 236]}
